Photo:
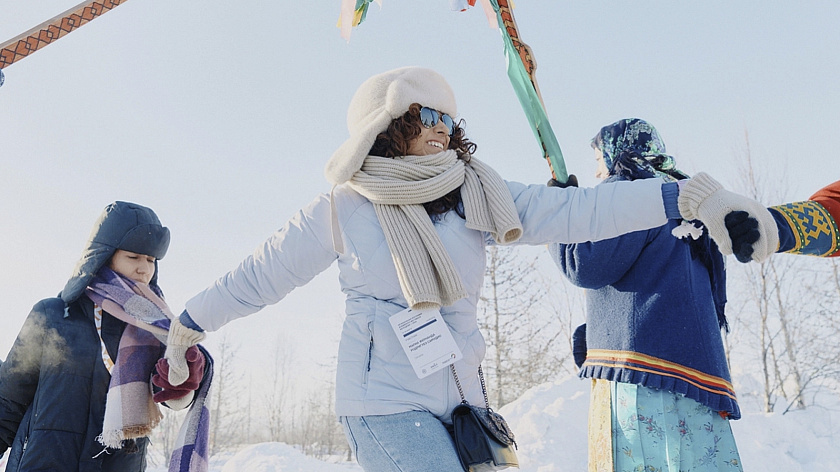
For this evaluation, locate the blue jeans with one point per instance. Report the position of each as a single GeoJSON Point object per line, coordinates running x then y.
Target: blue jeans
{"type": "Point", "coordinates": [413, 441]}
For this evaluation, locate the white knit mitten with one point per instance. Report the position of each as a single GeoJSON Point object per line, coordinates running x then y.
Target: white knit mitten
{"type": "Point", "coordinates": [178, 404]}
{"type": "Point", "coordinates": [179, 340]}
{"type": "Point", "coordinates": [703, 198]}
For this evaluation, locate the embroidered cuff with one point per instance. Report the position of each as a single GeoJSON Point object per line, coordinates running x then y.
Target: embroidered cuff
{"type": "Point", "coordinates": [809, 229]}
{"type": "Point", "coordinates": [670, 193]}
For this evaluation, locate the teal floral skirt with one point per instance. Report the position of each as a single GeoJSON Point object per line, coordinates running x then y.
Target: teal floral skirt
{"type": "Point", "coordinates": [639, 429]}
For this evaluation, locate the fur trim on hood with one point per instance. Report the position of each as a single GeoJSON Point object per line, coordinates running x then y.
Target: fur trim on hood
{"type": "Point", "coordinates": [378, 101]}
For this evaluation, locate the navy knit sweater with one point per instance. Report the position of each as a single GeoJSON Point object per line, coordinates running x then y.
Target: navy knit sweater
{"type": "Point", "coordinates": [651, 317]}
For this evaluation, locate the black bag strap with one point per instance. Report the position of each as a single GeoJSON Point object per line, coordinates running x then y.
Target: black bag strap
{"type": "Point", "coordinates": [461, 391]}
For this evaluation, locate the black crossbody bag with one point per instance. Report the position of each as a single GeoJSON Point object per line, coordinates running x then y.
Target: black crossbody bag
{"type": "Point", "coordinates": [482, 437]}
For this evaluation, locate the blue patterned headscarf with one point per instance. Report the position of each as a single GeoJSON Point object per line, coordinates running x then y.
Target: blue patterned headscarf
{"type": "Point", "coordinates": [633, 150]}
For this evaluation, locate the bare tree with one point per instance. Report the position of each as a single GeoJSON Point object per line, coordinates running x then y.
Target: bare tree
{"type": "Point", "coordinates": [321, 435]}
{"type": "Point", "coordinates": [280, 388]}
{"type": "Point", "coordinates": [528, 343]}
{"type": "Point", "coordinates": [163, 437]}
{"type": "Point", "coordinates": [789, 306]}
{"type": "Point", "coordinates": [304, 419]}
{"type": "Point", "coordinates": [228, 412]}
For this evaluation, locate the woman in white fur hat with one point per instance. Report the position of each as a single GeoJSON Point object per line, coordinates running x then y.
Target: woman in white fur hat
{"type": "Point", "coordinates": [407, 222]}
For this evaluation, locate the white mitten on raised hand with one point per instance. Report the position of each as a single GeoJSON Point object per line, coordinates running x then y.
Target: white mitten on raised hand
{"type": "Point", "coordinates": [178, 404]}
{"type": "Point", "coordinates": [179, 340]}
{"type": "Point", "coordinates": [703, 198]}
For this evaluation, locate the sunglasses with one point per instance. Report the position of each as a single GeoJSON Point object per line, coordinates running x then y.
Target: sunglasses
{"type": "Point", "coordinates": [430, 117]}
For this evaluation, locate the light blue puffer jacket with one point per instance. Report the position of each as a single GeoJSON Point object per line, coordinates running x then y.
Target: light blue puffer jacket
{"type": "Point", "coordinates": [374, 376]}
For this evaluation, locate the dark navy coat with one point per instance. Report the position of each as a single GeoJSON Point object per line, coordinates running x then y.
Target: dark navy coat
{"type": "Point", "coordinates": [53, 384]}
{"type": "Point", "coordinates": [53, 390]}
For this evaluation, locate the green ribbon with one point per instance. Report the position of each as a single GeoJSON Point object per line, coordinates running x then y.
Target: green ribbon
{"type": "Point", "coordinates": [531, 103]}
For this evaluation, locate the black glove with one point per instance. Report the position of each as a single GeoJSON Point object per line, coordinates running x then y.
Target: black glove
{"type": "Point", "coordinates": [743, 231]}
{"type": "Point", "coordinates": [579, 345]}
{"type": "Point", "coordinates": [572, 182]}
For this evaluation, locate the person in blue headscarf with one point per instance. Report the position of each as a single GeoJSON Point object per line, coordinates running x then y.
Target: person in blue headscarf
{"type": "Point", "coordinates": [662, 393]}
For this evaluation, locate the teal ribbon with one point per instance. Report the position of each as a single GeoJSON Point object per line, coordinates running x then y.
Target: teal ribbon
{"type": "Point", "coordinates": [530, 101]}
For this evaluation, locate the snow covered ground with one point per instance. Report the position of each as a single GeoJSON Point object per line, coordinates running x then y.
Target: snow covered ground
{"type": "Point", "coordinates": [550, 426]}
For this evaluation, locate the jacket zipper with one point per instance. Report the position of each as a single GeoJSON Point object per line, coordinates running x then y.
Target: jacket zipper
{"type": "Point", "coordinates": [370, 353]}
{"type": "Point", "coordinates": [23, 451]}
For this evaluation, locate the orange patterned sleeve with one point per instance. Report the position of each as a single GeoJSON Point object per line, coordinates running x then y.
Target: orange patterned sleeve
{"type": "Point", "coordinates": [829, 197]}
{"type": "Point", "coordinates": [812, 225]}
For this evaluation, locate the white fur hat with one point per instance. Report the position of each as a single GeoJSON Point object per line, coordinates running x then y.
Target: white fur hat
{"type": "Point", "coordinates": [378, 101]}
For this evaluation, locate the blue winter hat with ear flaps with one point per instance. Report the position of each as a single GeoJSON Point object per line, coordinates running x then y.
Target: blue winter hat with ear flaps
{"type": "Point", "coordinates": [121, 225]}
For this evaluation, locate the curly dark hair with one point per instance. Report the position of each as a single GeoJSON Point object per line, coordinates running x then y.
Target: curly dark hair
{"type": "Point", "coordinates": [396, 140]}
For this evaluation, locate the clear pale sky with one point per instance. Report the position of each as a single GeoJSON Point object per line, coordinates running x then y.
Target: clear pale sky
{"type": "Point", "coordinates": [221, 115]}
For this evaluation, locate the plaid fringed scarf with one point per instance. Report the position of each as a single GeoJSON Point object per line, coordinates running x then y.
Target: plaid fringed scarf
{"type": "Point", "coordinates": [130, 411]}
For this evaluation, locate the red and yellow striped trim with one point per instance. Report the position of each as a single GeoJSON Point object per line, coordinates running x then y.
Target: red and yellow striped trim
{"type": "Point", "coordinates": [654, 365]}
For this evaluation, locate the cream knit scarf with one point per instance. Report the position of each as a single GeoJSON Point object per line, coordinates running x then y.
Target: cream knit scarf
{"type": "Point", "coordinates": [399, 187]}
